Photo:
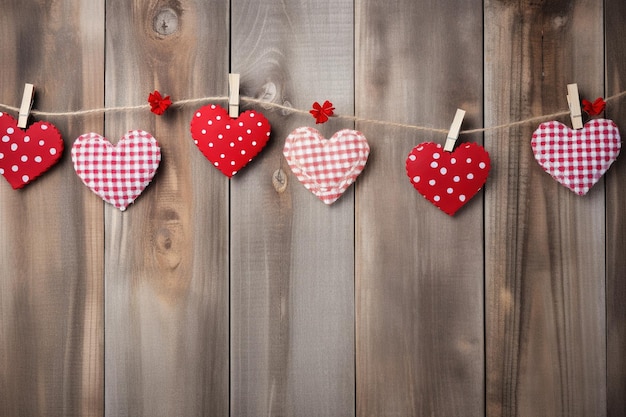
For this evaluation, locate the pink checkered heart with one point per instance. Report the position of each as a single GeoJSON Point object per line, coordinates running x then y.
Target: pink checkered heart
{"type": "Point", "coordinates": [577, 159]}
{"type": "Point", "coordinates": [118, 174]}
{"type": "Point", "coordinates": [326, 167]}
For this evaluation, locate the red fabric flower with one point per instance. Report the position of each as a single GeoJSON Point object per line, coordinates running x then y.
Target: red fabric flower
{"type": "Point", "coordinates": [595, 108]}
{"type": "Point", "coordinates": [158, 104]}
{"type": "Point", "coordinates": [321, 113]}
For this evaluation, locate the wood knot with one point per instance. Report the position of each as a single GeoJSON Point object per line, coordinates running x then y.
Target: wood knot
{"type": "Point", "coordinates": [165, 22]}
{"type": "Point", "coordinates": [168, 239]}
{"type": "Point", "coordinates": [269, 92]}
{"type": "Point", "coordinates": [279, 180]}
{"type": "Point", "coordinates": [286, 112]}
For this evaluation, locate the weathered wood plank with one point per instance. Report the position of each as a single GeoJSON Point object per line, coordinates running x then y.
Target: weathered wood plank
{"type": "Point", "coordinates": [544, 244]}
{"type": "Point", "coordinates": [166, 257]}
{"type": "Point", "coordinates": [51, 254]}
{"type": "Point", "coordinates": [292, 257]}
{"type": "Point", "coordinates": [419, 272]}
{"type": "Point", "coordinates": [615, 32]}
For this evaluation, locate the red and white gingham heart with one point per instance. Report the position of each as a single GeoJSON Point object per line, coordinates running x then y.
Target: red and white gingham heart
{"type": "Point", "coordinates": [577, 159]}
{"type": "Point", "coordinates": [118, 174]}
{"type": "Point", "coordinates": [326, 167]}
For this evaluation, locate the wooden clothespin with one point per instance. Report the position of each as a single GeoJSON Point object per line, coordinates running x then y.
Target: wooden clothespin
{"type": "Point", "coordinates": [455, 128]}
{"type": "Point", "coordinates": [27, 104]}
{"type": "Point", "coordinates": [233, 95]}
{"type": "Point", "coordinates": [573, 102]}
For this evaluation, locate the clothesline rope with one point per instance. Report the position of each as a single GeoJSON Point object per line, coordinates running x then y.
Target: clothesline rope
{"type": "Point", "coordinates": [270, 105]}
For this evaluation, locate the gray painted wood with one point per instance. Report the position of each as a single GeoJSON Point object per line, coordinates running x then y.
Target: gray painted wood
{"type": "Point", "coordinates": [51, 255]}
{"type": "Point", "coordinates": [292, 257]}
{"type": "Point", "coordinates": [419, 272]}
{"type": "Point", "coordinates": [544, 244]}
{"type": "Point", "coordinates": [166, 256]}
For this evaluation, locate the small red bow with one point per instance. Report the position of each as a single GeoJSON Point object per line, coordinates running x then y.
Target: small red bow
{"type": "Point", "coordinates": [321, 113]}
{"type": "Point", "coordinates": [158, 104]}
{"type": "Point", "coordinates": [595, 108]}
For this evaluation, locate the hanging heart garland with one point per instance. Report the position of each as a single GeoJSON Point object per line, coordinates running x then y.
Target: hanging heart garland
{"type": "Point", "coordinates": [326, 167]}
{"type": "Point", "coordinates": [229, 143]}
{"type": "Point", "coordinates": [26, 154]}
{"type": "Point", "coordinates": [578, 158]}
{"type": "Point", "coordinates": [118, 174]}
{"type": "Point", "coordinates": [448, 179]}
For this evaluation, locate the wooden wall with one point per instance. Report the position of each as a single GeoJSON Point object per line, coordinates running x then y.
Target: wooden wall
{"type": "Point", "coordinates": [217, 297]}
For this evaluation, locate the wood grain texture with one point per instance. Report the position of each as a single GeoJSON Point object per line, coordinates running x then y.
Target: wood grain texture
{"type": "Point", "coordinates": [292, 257]}
{"type": "Point", "coordinates": [166, 281]}
{"type": "Point", "coordinates": [615, 29]}
{"type": "Point", "coordinates": [544, 244]}
{"type": "Point", "coordinates": [211, 297]}
{"type": "Point", "coordinates": [419, 272]}
{"type": "Point", "coordinates": [51, 256]}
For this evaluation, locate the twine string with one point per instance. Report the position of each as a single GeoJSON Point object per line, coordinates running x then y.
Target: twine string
{"type": "Point", "coordinates": [277, 106]}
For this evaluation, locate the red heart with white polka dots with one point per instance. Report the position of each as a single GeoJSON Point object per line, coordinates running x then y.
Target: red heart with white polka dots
{"type": "Point", "coordinates": [448, 179]}
{"type": "Point", "coordinates": [578, 158]}
{"type": "Point", "coordinates": [227, 142]}
{"type": "Point", "coordinates": [25, 155]}
{"type": "Point", "coordinates": [118, 174]}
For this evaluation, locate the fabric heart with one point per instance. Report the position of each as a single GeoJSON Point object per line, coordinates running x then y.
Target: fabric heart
{"type": "Point", "coordinates": [448, 179]}
{"type": "Point", "coordinates": [25, 155]}
{"type": "Point", "coordinates": [118, 174]}
{"type": "Point", "coordinates": [326, 167]}
{"type": "Point", "coordinates": [229, 143]}
{"type": "Point", "coordinates": [577, 159]}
